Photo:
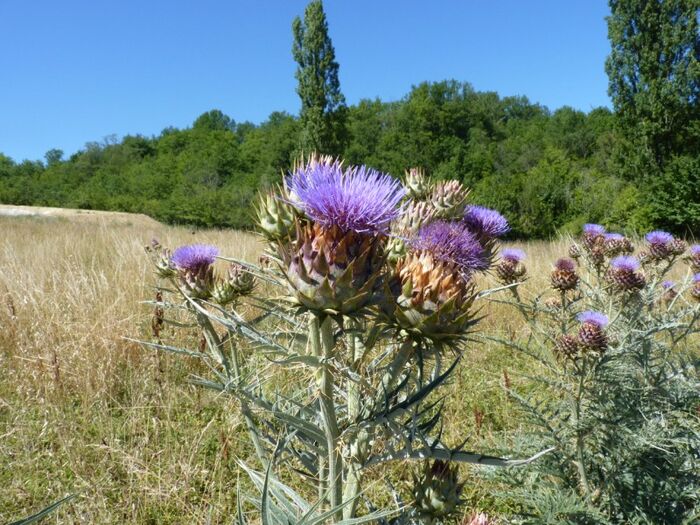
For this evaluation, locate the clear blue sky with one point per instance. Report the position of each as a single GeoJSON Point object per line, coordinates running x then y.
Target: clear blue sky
{"type": "Point", "coordinates": [74, 71]}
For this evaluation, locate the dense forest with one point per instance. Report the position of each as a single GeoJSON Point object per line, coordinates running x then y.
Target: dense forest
{"type": "Point", "coordinates": [632, 169]}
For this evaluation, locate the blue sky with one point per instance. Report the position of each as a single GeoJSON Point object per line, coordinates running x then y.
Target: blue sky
{"type": "Point", "coordinates": [78, 71]}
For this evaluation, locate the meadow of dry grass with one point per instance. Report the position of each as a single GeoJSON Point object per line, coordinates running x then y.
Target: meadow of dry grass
{"type": "Point", "coordinates": [84, 411]}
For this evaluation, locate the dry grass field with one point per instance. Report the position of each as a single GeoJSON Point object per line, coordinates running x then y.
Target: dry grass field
{"type": "Point", "coordinates": [84, 411]}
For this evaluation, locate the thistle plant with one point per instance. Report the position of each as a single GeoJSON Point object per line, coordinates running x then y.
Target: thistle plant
{"type": "Point", "coordinates": [337, 357]}
{"type": "Point", "coordinates": [614, 386]}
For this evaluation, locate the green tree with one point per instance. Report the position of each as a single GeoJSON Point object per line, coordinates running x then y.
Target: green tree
{"type": "Point", "coordinates": [53, 156]}
{"type": "Point", "coordinates": [654, 79]}
{"type": "Point", "coordinates": [323, 110]}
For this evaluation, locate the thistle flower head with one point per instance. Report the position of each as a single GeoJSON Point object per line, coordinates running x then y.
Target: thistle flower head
{"type": "Point", "coordinates": [593, 229]}
{"type": "Point", "coordinates": [565, 264]}
{"type": "Point", "coordinates": [194, 257]}
{"type": "Point", "coordinates": [453, 243]}
{"type": "Point", "coordinates": [625, 263]}
{"type": "Point", "coordinates": [593, 318]}
{"type": "Point", "coordinates": [485, 221]}
{"type": "Point", "coordinates": [658, 237]}
{"type": "Point", "coordinates": [358, 199]}
{"type": "Point", "coordinates": [514, 255]}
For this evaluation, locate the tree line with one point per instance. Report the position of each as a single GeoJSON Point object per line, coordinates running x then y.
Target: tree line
{"type": "Point", "coordinates": [632, 169]}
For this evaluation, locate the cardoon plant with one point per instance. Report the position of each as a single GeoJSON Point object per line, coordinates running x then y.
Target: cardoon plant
{"type": "Point", "coordinates": [364, 344]}
{"type": "Point", "coordinates": [618, 358]}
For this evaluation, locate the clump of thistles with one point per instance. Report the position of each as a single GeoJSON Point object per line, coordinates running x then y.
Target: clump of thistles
{"type": "Point", "coordinates": [564, 276]}
{"type": "Point", "coordinates": [335, 262]}
{"type": "Point", "coordinates": [510, 269]}
{"type": "Point", "coordinates": [624, 273]}
{"type": "Point", "coordinates": [194, 268]}
{"type": "Point", "coordinates": [591, 334]}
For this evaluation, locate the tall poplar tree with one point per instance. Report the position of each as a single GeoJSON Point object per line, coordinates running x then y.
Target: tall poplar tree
{"type": "Point", "coordinates": [654, 79]}
{"type": "Point", "coordinates": [323, 109]}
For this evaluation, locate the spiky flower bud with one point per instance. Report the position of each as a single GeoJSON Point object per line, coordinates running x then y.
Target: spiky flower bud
{"type": "Point", "coordinates": [616, 244]}
{"type": "Point", "coordinates": [236, 283]}
{"type": "Point", "coordinates": [592, 235]}
{"type": "Point", "coordinates": [659, 245]}
{"type": "Point", "coordinates": [591, 335]}
{"type": "Point", "coordinates": [449, 199]}
{"type": "Point", "coordinates": [564, 276]}
{"type": "Point", "coordinates": [415, 215]}
{"type": "Point", "coordinates": [510, 269]}
{"type": "Point", "coordinates": [567, 346]}
{"type": "Point", "coordinates": [623, 274]}
{"type": "Point", "coordinates": [195, 270]}
{"type": "Point", "coordinates": [436, 492]}
{"type": "Point", "coordinates": [677, 247]}
{"type": "Point", "coordinates": [161, 259]}
{"type": "Point", "coordinates": [574, 251]}
{"type": "Point", "coordinates": [417, 184]}
{"type": "Point", "coordinates": [693, 257]}
{"type": "Point", "coordinates": [275, 216]}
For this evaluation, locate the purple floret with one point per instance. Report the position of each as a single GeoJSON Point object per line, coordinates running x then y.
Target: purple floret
{"type": "Point", "coordinates": [194, 257]}
{"type": "Point", "coordinates": [594, 318]}
{"type": "Point", "coordinates": [696, 278]}
{"type": "Point", "coordinates": [513, 255]}
{"type": "Point", "coordinates": [565, 264]}
{"type": "Point", "coordinates": [626, 263]}
{"type": "Point", "coordinates": [593, 229]}
{"type": "Point", "coordinates": [658, 237]}
{"type": "Point", "coordinates": [452, 242]}
{"type": "Point", "coordinates": [486, 221]}
{"type": "Point", "coordinates": [695, 250]}
{"type": "Point", "coordinates": [667, 285]}
{"type": "Point", "coordinates": [614, 237]}
{"type": "Point", "coordinates": [358, 199]}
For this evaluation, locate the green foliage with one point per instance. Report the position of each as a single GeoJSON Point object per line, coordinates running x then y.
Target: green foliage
{"type": "Point", "coordinates": [323, 110]}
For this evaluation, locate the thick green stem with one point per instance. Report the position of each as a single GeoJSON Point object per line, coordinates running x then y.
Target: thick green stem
{"type": "Point", "coordinates": [321, 336]}
{"type": "Point", "coordinates": [579, 435]}
{"type": "Point", "coordinates": [354, 475]}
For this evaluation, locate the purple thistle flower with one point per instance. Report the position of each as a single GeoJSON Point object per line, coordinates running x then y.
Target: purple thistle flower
{"type": "Point", "coordinates": [512, 255]}
{"type": "Point", "coordinates": [667, 285]}
{"type": "Point", "coordinates": [626, 263]}
{"type": "Point", "coordinates": [358, 199]}
{"type": "Point", "coordinates": [695, 250]}
{"type": "Point", "coordinates": [194, 257]}
{"type": "Point", "coordinates": [486, 221]}
{"type": "Point", "coordinates": [614, 237]}
{"type": "Point", "coordinates": [452, 242]}
{"type": "Point", "coordinates": [593, 229]}
{"type": "Point", "coordinates": [696, 278]}
{"type": "Point", "coordinates": [594, 318]}
{"type": "Point", "coordinates": [658, 237]}
{"type": "Point", "coordinates": [565, 264]}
